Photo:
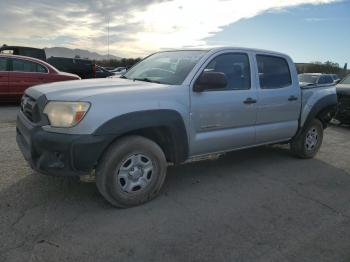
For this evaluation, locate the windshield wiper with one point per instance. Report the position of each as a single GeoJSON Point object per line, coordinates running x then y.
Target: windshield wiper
{"type": "Point", "coordinates": [146, 80]}
{"type": "Point", "coordinates": [123, 76]}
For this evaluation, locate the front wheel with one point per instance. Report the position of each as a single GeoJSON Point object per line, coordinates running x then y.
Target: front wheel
{"type": "Point", "coordinates": [307, 144]}
{"type": "Point", "coordinates": [131, 172]}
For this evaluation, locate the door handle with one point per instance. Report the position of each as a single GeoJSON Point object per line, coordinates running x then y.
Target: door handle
{"type": "Point", "coordinates": [292, 98]}
{"type": "Point", "coordinates": [249, 101]}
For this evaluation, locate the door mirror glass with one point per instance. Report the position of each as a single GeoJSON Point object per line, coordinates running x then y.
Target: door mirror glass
{"type": "Point", "coordinates": [210, 81]}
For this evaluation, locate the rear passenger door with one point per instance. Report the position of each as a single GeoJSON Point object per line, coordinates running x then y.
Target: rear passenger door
{"type": "Point", "coordinates": [279, 100]}
{"type": "Point", "coordinates": [4, 76]}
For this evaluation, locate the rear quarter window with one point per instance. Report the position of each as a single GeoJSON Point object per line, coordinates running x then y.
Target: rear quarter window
{"type": "Point", "coordinates": [41, 69]}
{"type": "Point", "coordinates": [273, 72]}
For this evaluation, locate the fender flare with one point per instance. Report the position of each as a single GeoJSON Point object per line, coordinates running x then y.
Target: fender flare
{"type": "Point", "coordinates": [327, 104]}
{"type": "Point", "coordinates": [170, 119]}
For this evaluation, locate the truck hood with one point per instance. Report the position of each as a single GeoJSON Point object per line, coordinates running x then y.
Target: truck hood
{"type": "Point", "coordinates": [79, 89]}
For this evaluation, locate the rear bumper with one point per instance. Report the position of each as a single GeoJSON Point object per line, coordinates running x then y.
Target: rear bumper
{"type": "Point", "coordinates": [59, 154]}
{"type": "Point", "coordinates": [343, 116]}
{"type": "Point", "coordinates": [344, 110]}
{"type": "Point", "coordinates": [343, 113]}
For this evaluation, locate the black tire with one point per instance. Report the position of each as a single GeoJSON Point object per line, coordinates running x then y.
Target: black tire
{"type": "Point", "coordinates": [107, 173]}
{"type": "Point", "coordinates": [301, 148]}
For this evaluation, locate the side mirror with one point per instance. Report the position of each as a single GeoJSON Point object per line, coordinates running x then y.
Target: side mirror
{"type": "Point", "coordinates": [210, 81]}
{"type": "Point", "coordinates": [337, 81]}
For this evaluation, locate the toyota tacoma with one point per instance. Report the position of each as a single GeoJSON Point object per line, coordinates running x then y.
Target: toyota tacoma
{"type": "Point", "coordinates": [172, 107]}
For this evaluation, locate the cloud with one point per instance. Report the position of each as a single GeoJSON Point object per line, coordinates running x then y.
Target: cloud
{"type": "Point", "coordinates": [325, 19]}
{"type": "Point", "coordinates": [137, 27]}
{"type": "Point", "coordinates": [316, 19]}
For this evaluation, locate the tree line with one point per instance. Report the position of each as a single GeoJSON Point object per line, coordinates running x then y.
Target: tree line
{"type": "Point", "coordinates": [328, 67]}
{"type": "Point", "coordinates": [124, 62]}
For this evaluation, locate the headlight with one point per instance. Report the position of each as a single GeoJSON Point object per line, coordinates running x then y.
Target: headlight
{"type": "Point", "coordinates": [65, 114]}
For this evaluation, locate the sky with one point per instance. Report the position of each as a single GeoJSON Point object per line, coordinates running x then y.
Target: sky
{"type": "Point", "coordinates": [307, 30]}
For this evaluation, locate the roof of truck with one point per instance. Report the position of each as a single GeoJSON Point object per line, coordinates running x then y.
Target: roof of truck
{"type": "Point", "coordinates": [216, 49]}
{"type": "Point", "coordinates": [22, 57]}
{"type": "Point", "coordinates": [16, 46]}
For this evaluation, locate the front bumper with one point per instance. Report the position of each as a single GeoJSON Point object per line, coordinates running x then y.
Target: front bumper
{"type": "Point", "coordinates": [59, 154]}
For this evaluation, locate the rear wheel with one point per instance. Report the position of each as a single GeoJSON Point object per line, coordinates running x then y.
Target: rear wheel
{"type": "Point", "coordinates": [307, 144]}
{"type": "Point", "coordinates": [131, 172]}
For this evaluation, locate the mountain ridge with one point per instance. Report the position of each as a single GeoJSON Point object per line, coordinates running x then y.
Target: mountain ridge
{"type": "Point", "coordinates": [81, 53]}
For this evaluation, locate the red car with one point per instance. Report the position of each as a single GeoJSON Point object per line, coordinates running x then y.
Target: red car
{"type": "Point", "coordinates": [17, 73]}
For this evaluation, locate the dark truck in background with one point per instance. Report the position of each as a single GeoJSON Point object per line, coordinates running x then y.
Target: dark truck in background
{"type": "Point", "coordinates": [82, 67]}
{"type": "Point", "coordinates": [343, 93]}
{"type": "Point", "coordinates": [24, 51]}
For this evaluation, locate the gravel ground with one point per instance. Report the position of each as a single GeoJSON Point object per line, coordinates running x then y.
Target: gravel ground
{"type": "Point", "coordinates": [254, 205]}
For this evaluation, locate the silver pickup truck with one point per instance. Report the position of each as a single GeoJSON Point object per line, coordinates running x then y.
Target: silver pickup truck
{"type": "Point", "coordinates": [171, 108]}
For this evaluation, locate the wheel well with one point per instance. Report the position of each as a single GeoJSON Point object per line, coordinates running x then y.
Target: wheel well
{"type": "Point", "coordinates": [162, 136]}
{"type": "Point", "coordinates": [165, 127]}
{"type": "Point", "coordinates": [326, 115]}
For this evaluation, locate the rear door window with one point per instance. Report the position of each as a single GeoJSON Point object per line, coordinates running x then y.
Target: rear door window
{"type": "Point", "coordinates": [27, 66]}
{"type": "Point", "coordinates": [273, 72]}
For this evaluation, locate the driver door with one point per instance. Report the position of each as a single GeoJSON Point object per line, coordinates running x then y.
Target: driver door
{"type": "Point", "coordinates": [224, 119]}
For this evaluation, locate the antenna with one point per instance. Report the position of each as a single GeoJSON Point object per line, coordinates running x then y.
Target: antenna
{"type": "Point", "coordinates": [108, 37]}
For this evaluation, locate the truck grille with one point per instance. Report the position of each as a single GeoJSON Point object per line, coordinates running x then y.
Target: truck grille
{"type": "Point", "coordinates": [30, 108]}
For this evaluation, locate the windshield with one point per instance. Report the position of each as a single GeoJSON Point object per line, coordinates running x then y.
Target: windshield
{"type": "Point", "coordinates": [165, 67]}
{"type": "Point", "coordinates": [312, 79]}
{"type": "Point", "coordinates": [346, 80]}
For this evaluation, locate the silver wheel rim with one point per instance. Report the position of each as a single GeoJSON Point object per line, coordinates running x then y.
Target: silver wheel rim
{"type": "Point", "coordinates": [135, 173]}
{"type": "Point", "coordinates": [311, 139]}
